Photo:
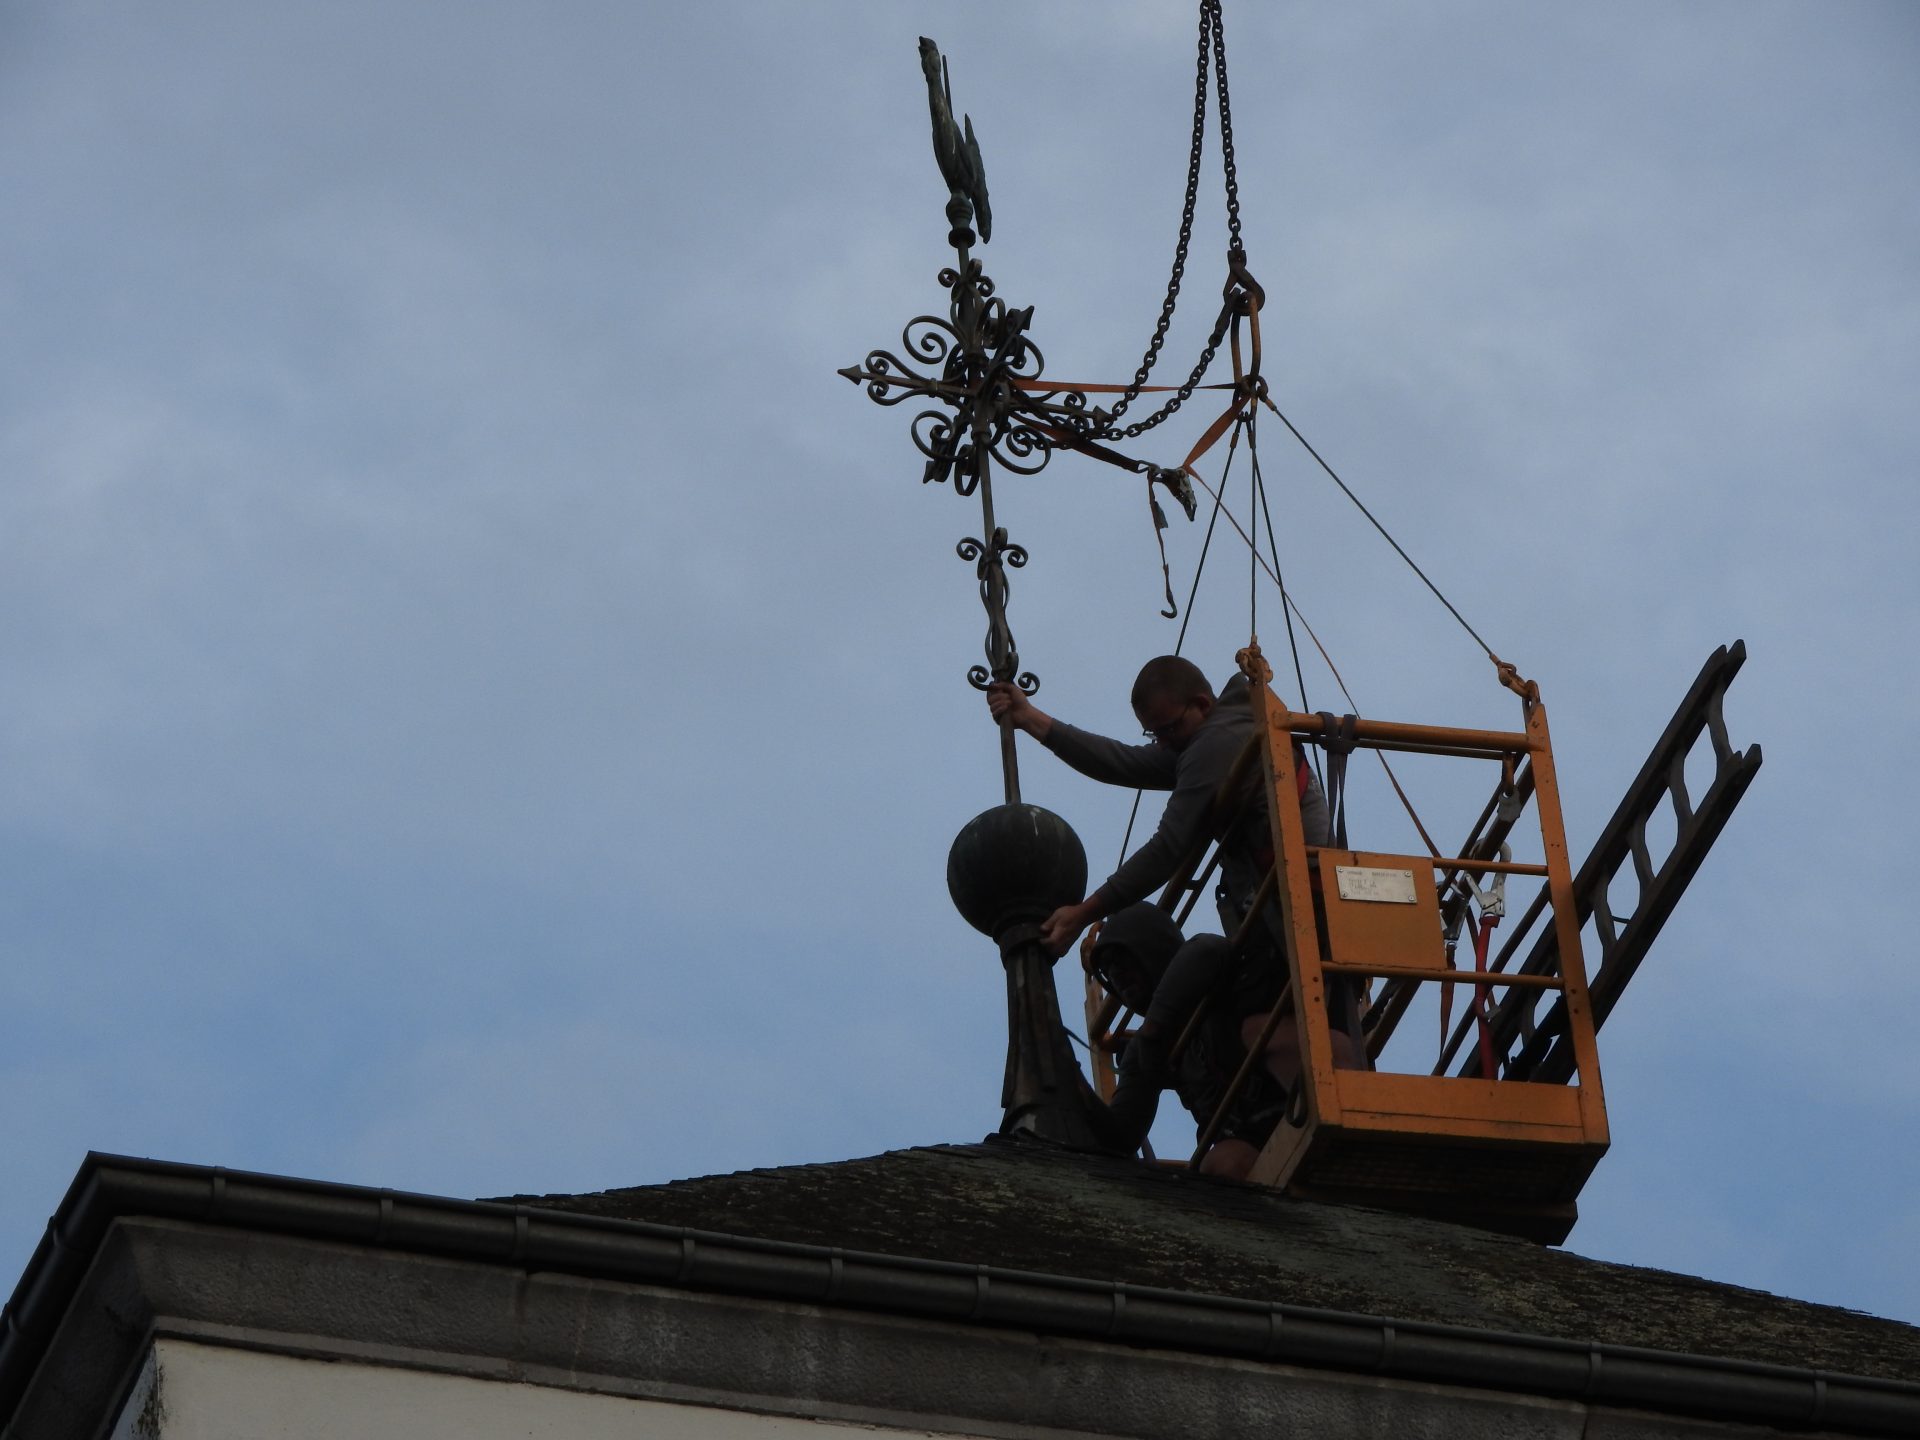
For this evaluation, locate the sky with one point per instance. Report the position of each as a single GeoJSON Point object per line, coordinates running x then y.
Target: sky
{"type": "Point", "coordinates": [484, 703]}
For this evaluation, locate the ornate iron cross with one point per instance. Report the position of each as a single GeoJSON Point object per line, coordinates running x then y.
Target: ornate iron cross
{"type": "Point", "coordinates": [980, 365]}
{"type": "Point", "coordinates": [1013, 865]}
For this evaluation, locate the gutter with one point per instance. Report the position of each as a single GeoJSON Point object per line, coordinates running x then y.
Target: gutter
{"type": "Point", "coordinates": [110, 1187]}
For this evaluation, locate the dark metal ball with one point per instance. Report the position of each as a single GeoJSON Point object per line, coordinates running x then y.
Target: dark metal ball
{"type": "Point", "coordinates": [1012, 865]}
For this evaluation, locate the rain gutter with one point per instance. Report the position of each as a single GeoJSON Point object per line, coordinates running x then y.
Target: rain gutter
{"type": "Point", "coordinates": [110, 1187]}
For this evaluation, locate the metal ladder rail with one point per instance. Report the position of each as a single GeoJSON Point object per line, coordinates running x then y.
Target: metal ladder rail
{"type": "Point", "coordinates": [1544, 1054]}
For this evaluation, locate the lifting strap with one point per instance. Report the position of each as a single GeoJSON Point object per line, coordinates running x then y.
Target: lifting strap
{"type": "Point", "coordinates": [1336, 736]}
{"type": "Point", "coordinates": [1493, 905]}
{"type": "Point", "coordinates": [1481, 993]}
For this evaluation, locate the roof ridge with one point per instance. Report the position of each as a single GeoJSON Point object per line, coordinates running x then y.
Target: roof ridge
{"type": "Point", "coordinates": [749, 1173]}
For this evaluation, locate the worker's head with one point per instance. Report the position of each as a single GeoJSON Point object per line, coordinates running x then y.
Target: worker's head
{"type": "Point", "coordinates": [1171, 697]}
{"type": "Point", "coordinates": [1131, 952]}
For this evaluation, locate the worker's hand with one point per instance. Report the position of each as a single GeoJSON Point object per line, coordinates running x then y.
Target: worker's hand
{"type": "Point", "coordinates": [1060, 929]}
{"type": "Point", "coordinates": [1006, 701]}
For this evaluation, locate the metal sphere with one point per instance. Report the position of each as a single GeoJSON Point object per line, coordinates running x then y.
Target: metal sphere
{"type": "Point", "coordinates": [1012, 865]}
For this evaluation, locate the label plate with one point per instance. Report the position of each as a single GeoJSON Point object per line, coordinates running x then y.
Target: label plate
{"type": "Point", "coordinates": [1366, 882]}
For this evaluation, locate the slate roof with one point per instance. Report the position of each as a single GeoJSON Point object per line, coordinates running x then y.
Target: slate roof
{"type": "Point", "coordinates": [1027, 1205]}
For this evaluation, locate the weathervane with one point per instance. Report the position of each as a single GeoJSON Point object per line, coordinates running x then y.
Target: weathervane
{"type": "Point", "coordinates": [1014, 864]}
{"type": "Point", "coordinates": [979, 363]}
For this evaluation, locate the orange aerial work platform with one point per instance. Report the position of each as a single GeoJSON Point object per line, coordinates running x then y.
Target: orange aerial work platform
{"type": "Point", "coordinates": [1499, 1152]}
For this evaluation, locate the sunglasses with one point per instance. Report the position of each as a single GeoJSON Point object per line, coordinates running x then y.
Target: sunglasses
{"type": "Point", "coordinates": [1162, 733]}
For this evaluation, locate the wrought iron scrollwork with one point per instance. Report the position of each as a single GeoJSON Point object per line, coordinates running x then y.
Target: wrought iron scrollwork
{"type": "Point", "coordinates": [979, 375]}
{"type": "Point", "coordinates": [980, 369]}
{"type": "Point", "coordinates": [978, 363]}
{"type": "Point", "coordinates": [990, 566]}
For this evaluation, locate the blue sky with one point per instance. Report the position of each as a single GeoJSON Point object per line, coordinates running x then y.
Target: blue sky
{"type": "Point", "coordinates": [484, 702]}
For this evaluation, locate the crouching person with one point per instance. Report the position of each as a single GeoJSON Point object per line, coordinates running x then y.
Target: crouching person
{"type": "Point", "coordinates": [1141, 956]}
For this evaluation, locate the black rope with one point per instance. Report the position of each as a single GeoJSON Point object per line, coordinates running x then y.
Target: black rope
{"type": "Point", "coordinates": [1279, 578]}
{"type": "Point", "coordinates": [1286, 599]}
{"type": "Point", "coordinates": [1132, 815]}
{"type": "Point", "coordinates": [1383, 533]}
{"type": "Point", "coordinates": [1186, 620]}
{"type": "Point", "coordinates": [1379, 755]}
{"type": "Point", "coordinates": [1199, 566]}
{"type": "Point", "coordinates": [1253, 550]}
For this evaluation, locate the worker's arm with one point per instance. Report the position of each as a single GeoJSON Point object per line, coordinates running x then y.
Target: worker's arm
{"type": "Point", "coordinates": [1060, 929]}
{"type": "Point", "coordinates": [1193, 776]}
{"type": "Point", "coordinates": [1202, 766]}
{"type": "Point", "coordinates": [1113, 762]}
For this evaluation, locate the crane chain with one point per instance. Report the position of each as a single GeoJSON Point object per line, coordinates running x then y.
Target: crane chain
{"type": "Point", "coordinates": [1228, 169]}
{"type": "Point", "coordinates": [1212, 46]}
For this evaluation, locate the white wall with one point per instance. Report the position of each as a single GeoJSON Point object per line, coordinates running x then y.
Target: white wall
{"type": "Point", "coordinates": [203, 1392]}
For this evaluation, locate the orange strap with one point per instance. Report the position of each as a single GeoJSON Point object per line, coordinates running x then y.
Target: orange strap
{"type": "Point", "coordinates": [1055, 387]}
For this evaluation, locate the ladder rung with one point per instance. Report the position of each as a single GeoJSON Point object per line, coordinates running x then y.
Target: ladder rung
{"type": "Point", "coordinates": [1423, 972]}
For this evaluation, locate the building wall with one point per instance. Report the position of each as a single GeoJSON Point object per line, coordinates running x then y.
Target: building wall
{"type": "Point", "coordinates": [190, 1391]}
{"type": "Point", "coordinates": [183, 1331]}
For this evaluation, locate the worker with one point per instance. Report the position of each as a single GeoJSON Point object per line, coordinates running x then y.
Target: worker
{"type": "Point", "coordinates": [1141, 956]}
{"type": "Point", "coordinates": [1194, 738]}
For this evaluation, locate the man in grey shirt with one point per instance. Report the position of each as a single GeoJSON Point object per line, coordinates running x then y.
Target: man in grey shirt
{"type": "Point", "coordinates": [1141, 956]}
{"type": "Point", "coordinates": [1194, 738]}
